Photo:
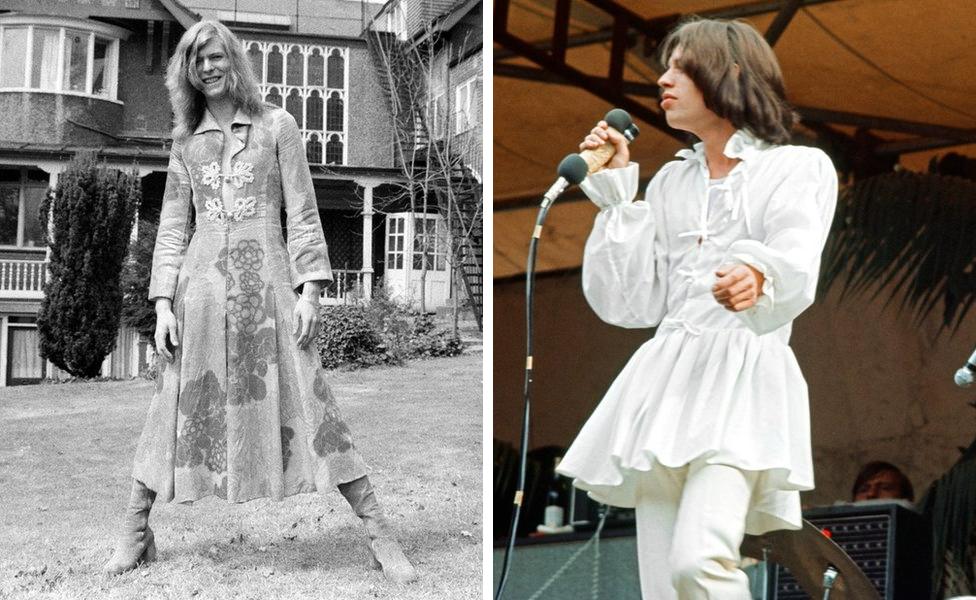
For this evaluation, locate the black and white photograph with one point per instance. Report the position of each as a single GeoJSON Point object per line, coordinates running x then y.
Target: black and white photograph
{"type": "Point", "coordinates": [737, 244]}
{"type": "Point", "coordinates": [241, 299]}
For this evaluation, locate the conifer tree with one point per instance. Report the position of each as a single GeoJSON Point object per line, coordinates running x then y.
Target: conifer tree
{"type": "Point", "coordinates": [91, 213]}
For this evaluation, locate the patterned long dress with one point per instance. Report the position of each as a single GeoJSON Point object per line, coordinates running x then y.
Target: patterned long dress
{"type": "Point", "coordinates": [242, 412]}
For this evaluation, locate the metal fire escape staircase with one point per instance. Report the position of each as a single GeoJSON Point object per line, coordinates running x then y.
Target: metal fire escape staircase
{"type": "Point", "coordinates": [457, 188]}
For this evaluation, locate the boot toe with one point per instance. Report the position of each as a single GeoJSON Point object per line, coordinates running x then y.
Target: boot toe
{"type": "Point", "coordinates": [396, 567]}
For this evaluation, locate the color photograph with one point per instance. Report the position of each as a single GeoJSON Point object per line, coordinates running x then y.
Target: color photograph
{"type": "Point", "coordinates": [733, 281]}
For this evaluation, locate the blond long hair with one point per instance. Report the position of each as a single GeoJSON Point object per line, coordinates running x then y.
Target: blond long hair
{"type": "Point", "coordinates": [187, 101]}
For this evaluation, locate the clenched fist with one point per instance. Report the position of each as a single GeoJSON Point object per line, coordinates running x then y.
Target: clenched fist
{"type": "Point", "coordinates": [738, 287]}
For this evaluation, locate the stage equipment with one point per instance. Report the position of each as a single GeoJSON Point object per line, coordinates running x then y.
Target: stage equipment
{"type": "Point", "coordinates": [964, 376]}
{"type": "Point", "coordinates": [572, 170]}
{"type": "Point", "coordinates": [817, 563]}
{"type": "Point", "coordinates": [888, 544]}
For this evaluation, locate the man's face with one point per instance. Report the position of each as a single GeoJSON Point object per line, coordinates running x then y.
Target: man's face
{"type": "Point", "coordinates": [211, 67]}
{"type": "Point", "coordinates": [682, 101]}
{"type": "Point", "coordinates": [885, 484]}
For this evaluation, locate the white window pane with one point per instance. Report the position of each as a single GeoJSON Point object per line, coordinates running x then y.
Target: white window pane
{"type": "Point", "coordinates": [44, 71]}
{"type": "Point", "coordinates": [75, 60]}
{"type": "Point", "coordinates": [99, 83]}
{"type": "Point", "coordinates": [14, 57]}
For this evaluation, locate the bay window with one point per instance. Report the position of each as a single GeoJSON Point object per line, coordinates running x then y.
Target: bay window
{"type": "Point", "coordinates": [60, 55]}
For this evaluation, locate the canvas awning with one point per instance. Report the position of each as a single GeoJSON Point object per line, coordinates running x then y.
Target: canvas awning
{"type": "Point", "coordinates": [877, 81]}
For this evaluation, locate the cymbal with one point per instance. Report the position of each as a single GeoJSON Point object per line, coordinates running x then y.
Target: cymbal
{"type": "Point", "coordinates": [806, 553]}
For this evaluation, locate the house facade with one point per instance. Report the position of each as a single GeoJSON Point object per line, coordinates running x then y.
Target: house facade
{"type": "Point", "coordinates": [81, 75]}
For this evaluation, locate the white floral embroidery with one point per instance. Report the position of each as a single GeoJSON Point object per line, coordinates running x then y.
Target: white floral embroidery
{"type": "Point", "coordinates": [243, 208]}
{"type": "Point", "coordinates": [243, 173]}
{"type": "Point", "coordinates": [211, 175]}
{"type": "Point", "coordinates": [215, 210]}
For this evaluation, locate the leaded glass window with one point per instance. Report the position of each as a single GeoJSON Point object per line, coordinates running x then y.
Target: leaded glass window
{"type": "Point", "coordinates": [316, 68]}
{"type": "Point", "coordinates": [334, 112]}
{"type": "Point", "coordinates": [309, 81]}
{"type": "Point", "coordinates": [274, 65]}
{"type": "Point", "coordinates": [294, 106]}
{"type": "Point", "coordinates": [296, 67]}
{"type": "Point", "coordinates": [313, 110]}
{"type": "Point", "coordinates": [313, 149]}
{"type": "Point", "coordinates": [333, 150]}
{"type": "Point", "coordinates": [336, 69]}
{"type": "Point", "coordinates": [256, 57]}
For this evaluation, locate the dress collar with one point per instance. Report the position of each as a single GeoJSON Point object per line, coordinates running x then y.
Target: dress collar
{"type": "Point", "coordinates": [742, 144]}
{"type": "Point", "coordinates": [209, 122]}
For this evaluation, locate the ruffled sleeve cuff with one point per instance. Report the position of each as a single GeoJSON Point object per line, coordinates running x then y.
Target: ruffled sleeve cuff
{"type": "Point", "coordinates": [766, 300]}
{"type": "Point", "coordinates": [612, 187]}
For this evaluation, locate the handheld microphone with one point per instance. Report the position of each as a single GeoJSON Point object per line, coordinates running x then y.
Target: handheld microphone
{"type": "Point", "coordinates": [964, 376]}
{"type": "Point", "coordinates": [618, 120]}
{"type": "Point", "coordinates": [575, 167]}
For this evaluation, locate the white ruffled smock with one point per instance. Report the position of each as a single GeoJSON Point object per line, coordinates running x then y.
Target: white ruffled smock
{"type": "Point", "coordinates": [712, 383]}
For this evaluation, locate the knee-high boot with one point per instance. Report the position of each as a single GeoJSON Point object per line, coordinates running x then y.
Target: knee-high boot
{"type": "Point", "coordinates": [387, 553]}
{"type": "Point", "coordinates": [136, 544]}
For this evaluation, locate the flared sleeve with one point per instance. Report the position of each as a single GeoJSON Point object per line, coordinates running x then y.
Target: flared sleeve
{"type": "Point", "coordinates": [625, 259]}
{"type": "Point", "coordinates": [174, 227]}
{"type": "Point", "coordinates": [309, 256]}
{"type": "Point", "coordinates": [796, 223]}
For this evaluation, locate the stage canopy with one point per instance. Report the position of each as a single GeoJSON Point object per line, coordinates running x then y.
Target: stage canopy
{"type": "Point", "coordinates": [876, 82]}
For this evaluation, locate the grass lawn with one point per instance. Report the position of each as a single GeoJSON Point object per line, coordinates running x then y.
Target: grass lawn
{"type": "Point", "coordinates": [66, 453]}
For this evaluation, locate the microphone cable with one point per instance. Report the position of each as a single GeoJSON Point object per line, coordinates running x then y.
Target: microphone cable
{"type": "Point", "coordinates": [572, 170]}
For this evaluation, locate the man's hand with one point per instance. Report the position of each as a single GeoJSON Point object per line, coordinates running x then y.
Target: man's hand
{"type": "Point", "coordinates": [306, 315]}
{"type": "Point", "coordinates": [166, 328]}
{"type": "Point", "coordinates": [738, 287]}
{"type": "Point", "coordinates": [601, 134]}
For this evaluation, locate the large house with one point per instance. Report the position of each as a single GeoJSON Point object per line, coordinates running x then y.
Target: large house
{"type": "Point", "coordinates": [89, 75]}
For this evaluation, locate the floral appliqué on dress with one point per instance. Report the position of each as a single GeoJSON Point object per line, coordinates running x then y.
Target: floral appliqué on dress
{"type": "Point", "coordinates": [243, 207]}
{"type": "Point", "coordinates": [243, 173]}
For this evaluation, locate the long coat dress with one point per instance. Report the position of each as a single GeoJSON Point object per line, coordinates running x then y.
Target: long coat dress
{"type": "Point", "coordinates": [242, 412]}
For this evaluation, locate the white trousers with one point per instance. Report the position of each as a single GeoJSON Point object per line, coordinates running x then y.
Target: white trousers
{"type": "Point", "coordinates": [690, 524]}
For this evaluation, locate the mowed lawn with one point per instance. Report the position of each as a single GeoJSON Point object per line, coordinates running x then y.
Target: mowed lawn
{"type": "Point", "coordinates": [65, 457]}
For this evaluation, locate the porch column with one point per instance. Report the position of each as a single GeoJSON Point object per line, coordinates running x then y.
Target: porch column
{"type": "Point", "coordinates": [3, 351]}
{"type": "Point", "coordinates": [367, 186]}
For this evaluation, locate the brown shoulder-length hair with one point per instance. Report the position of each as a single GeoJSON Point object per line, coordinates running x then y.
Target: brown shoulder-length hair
{"type": "Point", "coordinates": [737, 73]}
{"type": "Point", "coordinates": [183, 83]}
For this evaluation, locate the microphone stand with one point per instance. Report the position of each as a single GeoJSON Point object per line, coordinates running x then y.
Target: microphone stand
{"type": "Point", "coordinates": [572, 170]}
{"type": "Point", "coordinates": [547, 201]}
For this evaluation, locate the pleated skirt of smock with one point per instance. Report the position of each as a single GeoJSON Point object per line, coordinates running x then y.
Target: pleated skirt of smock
{"type": "Point", "coordinates": [725, 395]}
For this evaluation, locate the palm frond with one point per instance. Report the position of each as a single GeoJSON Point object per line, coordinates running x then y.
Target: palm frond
{"type": "Point", "coordinates": [911, 236]}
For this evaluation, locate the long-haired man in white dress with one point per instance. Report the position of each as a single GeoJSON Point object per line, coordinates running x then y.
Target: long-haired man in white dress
{"type": "Point", "coordinates": [706, 430]}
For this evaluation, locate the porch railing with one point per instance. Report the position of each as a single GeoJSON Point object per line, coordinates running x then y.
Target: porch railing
{"type": "Point", "coordinates": [346, 287]}
{"type": "Point", "coordinates": [22, 278]}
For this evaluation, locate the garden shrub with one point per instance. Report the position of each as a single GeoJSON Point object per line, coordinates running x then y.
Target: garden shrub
{"type": "Point", "coordinates": [348, 338]}
{"type": "Point", "coordinates": [383, 331]}
{"type": "Point", "coordinates": [138, 311]}
{"type": "Point", "coordinates": [427, 342]}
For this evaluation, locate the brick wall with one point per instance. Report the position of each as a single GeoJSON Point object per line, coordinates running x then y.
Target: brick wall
{"type": "Point", "coordinates": [44, 118]}
{"type": "Point", "coordinates": [370, 123]}
{"type": "Point", "coordinates": [143, 87]}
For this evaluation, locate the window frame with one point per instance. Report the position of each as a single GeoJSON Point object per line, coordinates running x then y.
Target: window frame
{"type": "Point", "coordinates": [21, 186]}
{"type": "Point", "coordinates": [466, 109]}
{"type": "Point", "coordinates": [62, 25]}
{"type": "Point", "coordinates": [305, 90]}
